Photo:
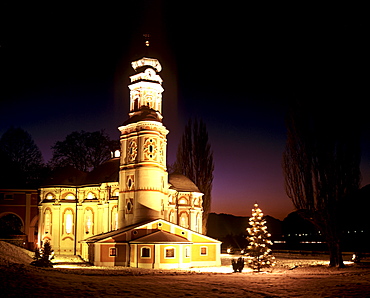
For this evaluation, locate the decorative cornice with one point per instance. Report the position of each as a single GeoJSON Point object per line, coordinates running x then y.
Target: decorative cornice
{"type": "Point", "coordinates": [142, 127]}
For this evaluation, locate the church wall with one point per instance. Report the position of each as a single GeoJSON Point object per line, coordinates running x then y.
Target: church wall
{"type": "Point", "coordinates": [22, 203]}
{"type": "Point", "coordinates": [181, 232]}
{"type": "Point", "coordinates": [166, 255]}
{"type": "Point", "coordinates": [116, 254]}
{"type": "Point", "coordinates": [65, 221]}
{"type": "Point", "coordinates": [148, 260]}
{"type": "Point", "coordinates": [206, 254]}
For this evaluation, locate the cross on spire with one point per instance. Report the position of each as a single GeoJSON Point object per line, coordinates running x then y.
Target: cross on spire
{"type": "Point", "coordinates": [147, 39]}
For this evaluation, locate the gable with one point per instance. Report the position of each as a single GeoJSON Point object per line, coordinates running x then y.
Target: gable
{"type": "Point", "coordinates": [161, 237]}
{"type": "Point", "coordinates": [136, 233]}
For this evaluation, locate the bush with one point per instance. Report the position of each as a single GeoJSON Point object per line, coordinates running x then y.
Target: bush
{"type": "Point", "coordinates": [44, 256]}
{"type": "Point", "coordinates": [238, 265]}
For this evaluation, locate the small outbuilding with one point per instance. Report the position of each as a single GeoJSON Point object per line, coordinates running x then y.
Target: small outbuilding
{"type": "Point", "coordinates": [154, 244]}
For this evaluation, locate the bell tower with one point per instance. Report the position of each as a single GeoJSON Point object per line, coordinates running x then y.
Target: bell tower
{"type": "Point", "coordinates": [143, 174]}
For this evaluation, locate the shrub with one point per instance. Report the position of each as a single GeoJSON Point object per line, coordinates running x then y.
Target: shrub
{"type": "Point", "coordinates": [44, 256]}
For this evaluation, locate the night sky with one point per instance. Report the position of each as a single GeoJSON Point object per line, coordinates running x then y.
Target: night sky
{"type": "Point", "coordinates": [237, 67]}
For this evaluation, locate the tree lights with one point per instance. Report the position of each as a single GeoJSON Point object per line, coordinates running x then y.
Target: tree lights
{"type": "Point", "coordinates": [259, 253]}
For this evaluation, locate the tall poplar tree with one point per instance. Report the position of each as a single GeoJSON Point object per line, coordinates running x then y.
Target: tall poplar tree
{"type": "Point", "coordinates": [321, 167]}
{"type": "Point", "coordinates": [195, 160]}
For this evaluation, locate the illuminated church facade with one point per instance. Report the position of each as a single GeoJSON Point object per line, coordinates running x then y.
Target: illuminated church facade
{"type": "Point", "coordinates": [129, 211]}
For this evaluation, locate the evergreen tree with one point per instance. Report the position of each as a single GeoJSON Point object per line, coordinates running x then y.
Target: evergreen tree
{"type": "Point", "coordinates": [43, 258]}
{"type": "Point", "coordinates": [259, 253]}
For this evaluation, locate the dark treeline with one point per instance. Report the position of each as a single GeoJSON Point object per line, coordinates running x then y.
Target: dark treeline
{"type": "Point", "coordinates": [22, 165]}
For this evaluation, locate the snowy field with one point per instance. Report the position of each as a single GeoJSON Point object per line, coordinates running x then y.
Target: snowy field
{"type": "Point", "coordinates": [294, 276]}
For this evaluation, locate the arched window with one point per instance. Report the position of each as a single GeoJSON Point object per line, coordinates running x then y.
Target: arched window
{"type": "Point", "coordinates": [47, 221]}
{"type": "Point", "coordinates": [197, 223]}
{"type": "Point", "coordinates": [90, 196]}
{"type": "Point", "coordinates": [68, 221]}
{"type": "Point", "coordinates": [49, 196]}
{"type": "Point", "coordinates": [114, 223]}
{"type": "Point", "coordinates": [184, 220]}
{"type": "Point", "coordinates": [115, 193]}
{"type": "Point", "coordinates": [171, 217]}
{"type": "Point", "coordinates": [136, 103]}
{"type": "Point", "coordinates": [183, 201]}
{"type": "Point", "coordinates": [89, 221]}
{"type": "Point", "coordinates": [11, 224]}
{"type": "Point", "coordinates": [70, 196]}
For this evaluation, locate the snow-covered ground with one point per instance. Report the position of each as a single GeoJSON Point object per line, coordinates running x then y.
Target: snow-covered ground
{"type": "Point", "coordinates": [293, 276]}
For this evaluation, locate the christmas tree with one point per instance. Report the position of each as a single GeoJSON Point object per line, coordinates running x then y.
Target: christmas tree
{"type": "Point", "coordinates": [259, 253]}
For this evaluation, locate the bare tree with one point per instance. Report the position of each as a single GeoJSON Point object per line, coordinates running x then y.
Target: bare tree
{"type": "Point", "coordinates": [321, 168]}
{"type": "Point", "coordinates": [195, 160]}
{"type": "Point", "coordinates": [82, 150]}
{"type": "Point", "coordinates": [20, 158]}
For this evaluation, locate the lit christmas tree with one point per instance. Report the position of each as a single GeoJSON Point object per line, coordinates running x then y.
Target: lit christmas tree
{"type": "Point", "coordinates": [259, 253]}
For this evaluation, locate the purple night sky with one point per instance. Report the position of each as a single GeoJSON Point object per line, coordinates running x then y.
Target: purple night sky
{"type": "Point", "coordinates": [66, 69]}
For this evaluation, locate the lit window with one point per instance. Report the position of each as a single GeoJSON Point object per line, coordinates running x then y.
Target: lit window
{"type": "Point", "coordinates": [170, 252]}
{"type": "Point", "coordinates": [203, 251]}
{"type": "Point", "coordinates": [68, 222]}
{"type": "Point", "coordinates": [88, 221]}
{"type": "Point", "coordinates": [172, 217]}
{"type": "Point", "coordinates": [184, 220]}
{"type": "Point", "coordinates": [88, 224]}
{"type": "Point", "coordinates": [114, 223]}
{"type": "Point", "coordinates": [112, 252]}
{"type": "Point", "coordinates": [70, 197]}
{"type": "Point", "coordinates": [197, 223]}
{"type": "Point", "coordinates": [183, 201]}
{"type": "Point", "coordinates": [90, 196]}
{"type": "Point", "coordinates": [47, 221]}
{"type": "Point", "coordinates": [145, 252]}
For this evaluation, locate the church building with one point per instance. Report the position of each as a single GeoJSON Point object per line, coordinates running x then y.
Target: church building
{"type": "Point", "coordinates": [129, 211]}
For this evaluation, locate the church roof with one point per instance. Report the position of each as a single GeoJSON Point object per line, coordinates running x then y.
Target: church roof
{"type": "Point", "coordinates": [144, 114]}
{"type": "Point", "coordinates": [109, 234]}
{"type": "Point", "coordinates": [106, 172]}
{"type": "Point", "coordinates": [109, 172]}
{"type": "Point", "coordinates": [180, 182]}
{"type": "Point", "coordinates": [161, 237]}
{"type": "Point", "coordinates": [67, 175]}
{"type": "Point", "coordinates": [157, 236]}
